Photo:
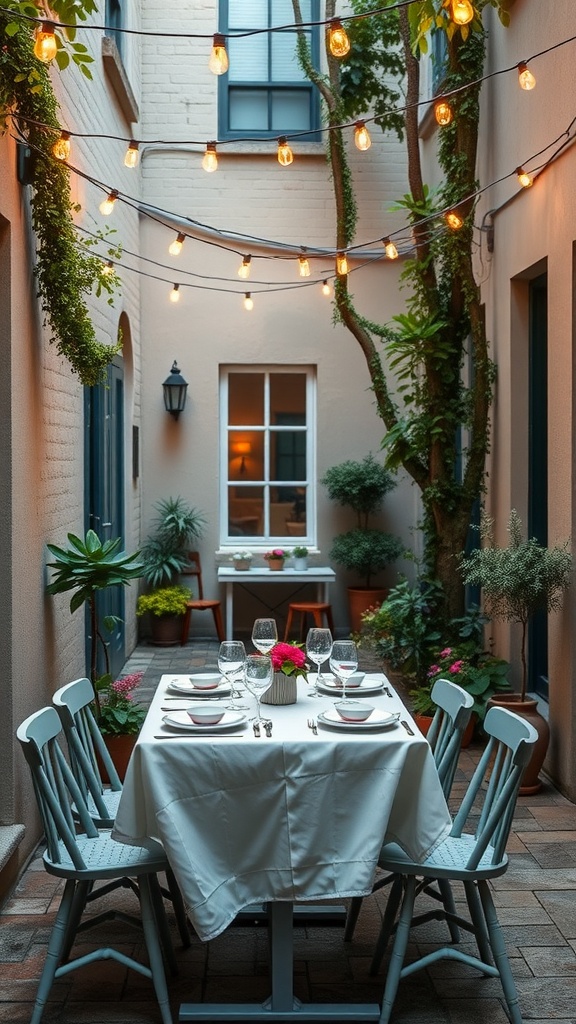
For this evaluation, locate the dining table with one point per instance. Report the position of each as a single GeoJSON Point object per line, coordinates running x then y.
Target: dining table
{"type": "Point", "coordinates": [295, 814]}
{"type": "Point", "coordinates": [297, 579]}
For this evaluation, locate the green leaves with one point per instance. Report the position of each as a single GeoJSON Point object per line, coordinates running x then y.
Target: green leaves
{"type": "Point", "coordinates": [89, 565]}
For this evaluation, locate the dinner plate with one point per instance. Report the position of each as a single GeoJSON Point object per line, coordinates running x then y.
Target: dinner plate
{"type": "Point", "coordinates": [378, 720]}
{"type": "Point", "coordinates": [187, 686]}
{"type": "Point", "coordinates": [181, 720]}
{"type": "Point", "coordinates": [366, 686]}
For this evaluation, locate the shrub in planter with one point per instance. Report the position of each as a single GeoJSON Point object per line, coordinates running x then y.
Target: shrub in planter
{"type": "Point", "coordinates": [164, 601]}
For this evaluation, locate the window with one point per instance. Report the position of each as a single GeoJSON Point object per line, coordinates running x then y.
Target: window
{"type": "Point", "coordinates": [439, 60]}
{"type": "Point", "coordinates": [115, 21]}
{"type": "Point", "coordinates": [267, 454]}
{"type": "Point", "coordinates": [265, 92]}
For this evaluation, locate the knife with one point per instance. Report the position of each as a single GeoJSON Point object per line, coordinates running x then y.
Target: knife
{"type": "Point", "coordinates": [407, 727]}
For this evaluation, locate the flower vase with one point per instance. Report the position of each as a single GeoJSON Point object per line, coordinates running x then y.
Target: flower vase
{"type": "Point", "coordinates": [282, 691]}
{"type": "Point", "coordinates": [275, 564]}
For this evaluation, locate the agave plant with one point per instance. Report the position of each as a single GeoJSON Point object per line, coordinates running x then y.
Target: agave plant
{"type": "Point", "coordinates": [87, 566]}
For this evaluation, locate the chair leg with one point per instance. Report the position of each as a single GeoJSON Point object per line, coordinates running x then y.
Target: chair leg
{"type": "Point", "coordinates": [288, 624]}
{"type": "Point", "coordinates": [352, 917]}
{"type": "Point", "coordinates": [179, 909]}
{"type": "Point", "coordinates": [162, 928]}
{"type": "Point", "coordinates": [58, 937]}
{"type": "Point", "coordinates": [330, 620]}
{"type": "Point", "coordinates": [479, 922]}
{"type": "Point", "coordinates": [450, 907]}
{"type": "Point", "coordinates": [388, 922]}
{"type": "Point", "coordinates": [153, 947]}
{"type": "Point", "coordinates": [399, 947]}
{"type": "Point", "coordinates": [302, 626]}
{"type": "Point", "coordinates": [219, 623]}
{"type": "Point", "coordinates": [185, 626]}
{"type": "Point", "coordinates": [83, 890]}
{"type": "Point", "coordinates": [499, 950]}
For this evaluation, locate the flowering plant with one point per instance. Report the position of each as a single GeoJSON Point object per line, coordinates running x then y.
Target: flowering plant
{"type": "Point", "coordinates": [241, 556]}
{"type": "Point", "coordinates": [289, 659]}
{"type": "Point", "coordinates": [120, 715]}
{"type": "Point", "coordinates": [481, 674]}
{"type": "Point", "coordinates": [276, 553]}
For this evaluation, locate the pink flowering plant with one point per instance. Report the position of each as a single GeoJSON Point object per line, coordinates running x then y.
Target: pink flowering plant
{"type": "Point", "coordinates": [478, 672]}
{"type": "Point", "coordinates": [289, 659]}
{"type": "Point", "coordinates": [276, 553]}
{"type": "Point", "coordinates": [120, 714]}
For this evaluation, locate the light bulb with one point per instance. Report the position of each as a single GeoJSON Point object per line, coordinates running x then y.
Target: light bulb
{"type": "Point", "coordinates": [526, 79]}
{"type": "Point", "coordinates": [248, 302]}
{"type": "Point", "coordinates": [525, 179]}
{"type": "Point", "coordinates": [175, 293]}
{"type": "Point", "coordinates": [61, 148]}
{"type": "Point", "coordinates": [285, 154]}
{"type": "Point", "coordinates": [442, 112]}
{"type": "Point", "coordinates": [338, 41]}
{"type": "Point", "coordinates": [45, 46]}
{"type": "Point", "coordinates": [132, 155]}
{"type": "Point", "coordinates": [244, 268]}
{"type": "Point", "coordinates": [218, 62]}
{"type": "Point", "coordinates": [210, 160]}
{"type": "Point", "coordinates": [362, 136]}
{"type": "Point", "coordinates": [462, 11]}
{"type": "Point", "coordinates": [326, 289]}
{"type": "Point", "coordinates": [453, 220]}
{"type": "Point", "coordinates": [303, 266]}
{"type": "Point", "coordinates": [108, 268]}
{"type": "Point", "coordinates": [107, 205]}
{"type": "Point", "coordinates": [341, 264]}
{"type": "Point", "coordinates": [390, 249]}
{"type": "Point", "coordinates": [175, 247]}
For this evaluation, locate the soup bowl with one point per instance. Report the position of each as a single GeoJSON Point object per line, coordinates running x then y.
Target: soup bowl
{"type": "Point", "coordinates": [205, 680]}
{"type": "Point", "coordinates": [203, 715]}
{"type": "Point", "coordinates": [353, 710]}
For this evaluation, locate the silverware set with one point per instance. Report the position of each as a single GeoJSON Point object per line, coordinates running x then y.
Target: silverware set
{"type": "Point", "coordinates": [312, 725]}
{"type": "Point", "coordinates": [266, 725]}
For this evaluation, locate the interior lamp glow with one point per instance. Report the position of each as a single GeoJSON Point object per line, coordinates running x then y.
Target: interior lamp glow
{"type": "Point", "coordinates": [525, 179]}
{"type": "Point", "coordinates": [338, 41]}
{"type": "Point", "coordinates": [342, 264]}
{"type": "Point", "coordinates": [175, 293]}
{"type": "Point", "coordinates": [248, 301]}
{"type": "Point", "coordinates": [244, 268]}
{"type": "Point", "coordinates": [285, 154]}
{"type": "Point", "coordinates": [526, 79]}
{"type": "Point", "coordinates": [390, 249]}
{"type": "Point", "coordinates": [218, 62]}
{"type": "Point", "coordinates": [175, 247]}
{"type": "Point", "coordinates": [107, 205]}
{"type": "Point", "coordinates": [61, 148]}
{"type": "Point", "coordinates": [442, 112]}
{"type": "Point", "coordinates": [132, 155]}
{"type": "Point", "coordinates": [462, 11]}
{"type": "Point", "coordinates": [303, 266]}
{"type": "Point", "coordinates": [326, 289]}
{"type": "Point", "coordinates": [45, 46]}
{"type": "Point", "coordinates": [210, 160]}
{"type": "Point", "coordinates": [362, 138]}
{"type": "Point", "coordinates": [453, 220]}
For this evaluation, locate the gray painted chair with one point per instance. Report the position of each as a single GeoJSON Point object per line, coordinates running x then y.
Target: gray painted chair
{"type": "Point", "coordinates": [471, 857]}
{"type": "Point", "coordinates": [453, 711]}
{"type": "Point", "coordinates": [84, 858]}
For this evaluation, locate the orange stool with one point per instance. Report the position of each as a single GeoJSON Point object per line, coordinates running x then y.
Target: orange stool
{"type": "Point", "coordinates": [317, 609]}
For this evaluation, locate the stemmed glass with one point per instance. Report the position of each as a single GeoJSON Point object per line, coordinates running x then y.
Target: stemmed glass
{"type": "Point", "coordinates": [344, 661]}
{"type": "Point", "coordinates": [264, 635]}
{"type": "Point", "coordinates": [259, 674]}
{"type": "Point", "coordinates": [231, 663]}
{"type": "Point", "coordinates": [318, 648]}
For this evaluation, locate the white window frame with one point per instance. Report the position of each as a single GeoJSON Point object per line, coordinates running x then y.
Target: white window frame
{"type": "Point", "coordinates": [263, 543]}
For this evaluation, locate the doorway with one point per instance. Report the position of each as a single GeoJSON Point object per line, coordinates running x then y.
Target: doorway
{"type": "Point", "coordinates": [538, 467]}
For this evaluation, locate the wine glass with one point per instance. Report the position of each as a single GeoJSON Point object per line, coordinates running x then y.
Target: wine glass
{"type": "Point", "coordinates": [318, 648]}
{"type": "Point", "coordinates": [231, 662]}
{"type": "Point", "coordinates": [259, 674]}
{"type": "Point", "coordinates": [344, 661]}
{"type": "Point", "coordinates": [264, 635]}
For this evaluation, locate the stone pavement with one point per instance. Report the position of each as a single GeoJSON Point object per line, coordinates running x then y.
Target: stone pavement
{"type": "Point", "coordinates": [536, 902]}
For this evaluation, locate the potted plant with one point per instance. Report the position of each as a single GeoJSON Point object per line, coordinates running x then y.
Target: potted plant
{"type": "Point", "coordinates": [288, 662]}
{"type": "Point", "coordinates": [300, 555]}
{"type": "Point", "coordinates": [165, 606]}
{"type": "Point", "coordinates": [241, 560]}
{"type": "Point", "coordinates": [405, 628]}
{"type": "Point", "coordinates": [165, 553]}
{"type": "Point", "coordinates": [276, 558]}
{"type": "Point", "coordinates": [479, 672]}
{"type": "Point", "coordinates": [121, 718]}
{"type": "Point", "coordinates": [517, 581]}
{"type": "Point", "coordinates": [365, 551]}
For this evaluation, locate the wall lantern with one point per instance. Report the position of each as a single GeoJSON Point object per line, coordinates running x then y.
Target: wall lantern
{"type": "Point", "coordinates": [175, 391]}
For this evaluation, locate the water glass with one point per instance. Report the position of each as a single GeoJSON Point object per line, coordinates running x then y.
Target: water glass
{"type": "Point", "coordinates": [259, 675]}
{"type": "Point", "coordinates": [344, 661]}
{"type": "Point", "coordinates": [318, 649]}
{"type": "Point", "coordinates": [264, 635]}
{"type": "Point", "coordinates": [231, 662]}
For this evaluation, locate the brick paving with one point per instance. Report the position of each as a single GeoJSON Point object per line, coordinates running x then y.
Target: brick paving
{"type": "Point", "coordinates": [536, 902]}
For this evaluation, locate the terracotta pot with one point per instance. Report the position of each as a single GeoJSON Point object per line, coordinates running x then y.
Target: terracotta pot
{"type": "Point", "coordinates": [242, 565]}
{"type": "Point", "coordinates": [528, 709]}
{"type": "Point", "coordinates": [282, 691]}
{"type": "Point", "coordinates": [275, 564]}
{"type": "Point", "coordinates": [120, 749]}
{"type": "Point", "coordinates": [165, 630]}
{"type": "Point", "coordinates": [361, 598]}
{"type": "Point", "coordinates": [423, 722]}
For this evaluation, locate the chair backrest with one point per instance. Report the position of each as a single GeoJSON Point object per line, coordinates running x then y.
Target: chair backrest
{"type": "Point", "coordinates": [73, 702]}
{"type": "Point", "coordinates": [194, 568]}
{"type": "Point", "coordinates": [489, 802]}
{"type": "Point", "coordinates": [453, 710]}
{"type": "Point", "coordinates": [55, 787]}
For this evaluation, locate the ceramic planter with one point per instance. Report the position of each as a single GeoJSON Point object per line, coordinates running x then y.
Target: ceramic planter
{"type": "Point", "coordinates": [528, 709]}
{"type": "Point", "coordinates": [282, 691]}
{"type": "Point", "coordinates": [275, 564]}
{"type": "Point", "coordinates": [120, 749]}
{"type": "Point", "coordinates": [300, 564]}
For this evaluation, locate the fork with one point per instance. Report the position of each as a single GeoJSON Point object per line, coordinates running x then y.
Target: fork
{"type": "Point", "coordinates": [312, 725]}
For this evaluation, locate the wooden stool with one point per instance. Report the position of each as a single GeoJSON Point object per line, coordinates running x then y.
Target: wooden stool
{"type": "Point", "coordinates": [201, 603]}
{"type": "Point", "coordinates": [317, 609]}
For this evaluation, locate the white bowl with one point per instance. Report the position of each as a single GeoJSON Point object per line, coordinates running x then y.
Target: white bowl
{"type": "Point", "coordinates": [202, 715]}
{"type": "Point", "coordinates": [205, 680]}
{"type": "Point", "coordinates": [353, 710]}
{"type": "Point", "coordinates": [355, 680]}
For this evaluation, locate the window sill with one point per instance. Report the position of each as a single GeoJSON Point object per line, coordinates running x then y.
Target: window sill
{"type": "Point", "coordinates": [267, 147]}
{"type": "Point", "coordinates": [116, 74]}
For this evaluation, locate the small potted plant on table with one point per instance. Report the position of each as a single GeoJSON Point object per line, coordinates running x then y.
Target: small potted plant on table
{"type": "Point", "coordinates": [276, 559]}
{"type": "Point", "coordinates": [241, 560]}
{"type": "Point", "coordinates": [300, 555]}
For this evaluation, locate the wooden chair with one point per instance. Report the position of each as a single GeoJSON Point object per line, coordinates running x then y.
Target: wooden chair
{"type": "Point", "coordinates": [316, 609]}
{"type": "Point", "coordinates": [200, 603]}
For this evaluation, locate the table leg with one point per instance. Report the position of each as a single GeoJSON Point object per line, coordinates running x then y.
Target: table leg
{"type": "Point", "coordinates": [229, 611]}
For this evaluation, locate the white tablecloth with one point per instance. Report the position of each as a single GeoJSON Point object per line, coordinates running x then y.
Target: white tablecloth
{"type": "Point", "coordinates": [295, 817]}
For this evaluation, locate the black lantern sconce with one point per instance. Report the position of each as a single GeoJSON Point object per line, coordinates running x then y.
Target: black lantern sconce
{"type": "Point", "coordinates": [175, 391]}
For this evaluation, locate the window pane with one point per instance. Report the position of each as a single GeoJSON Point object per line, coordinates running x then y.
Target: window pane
{"type": "Point", "coordinates": [248, 59]}
{"type": "Point", "coordinates": [245, 455]}
{"type": "Point", "coordinates": [283, 12]}
{"type": "Point", "coordinates": [248, 110]}
{"type": "Point", "coordinates": [246, 399]}
{"type": "Point", "coordinates": [288, 398]}
{"type": "Point", "coordinates": [245, 511]}
{"type": "Point", "coordinates": [248, 13]}
{"type": "Point", "coordinates": [288, 512]}
{"type": "Point", "coordinates": [285, 66]}
{"type": "Point", "coordinates": [288, 455]}
{"type": "Point", "coordinates": [290, 110]}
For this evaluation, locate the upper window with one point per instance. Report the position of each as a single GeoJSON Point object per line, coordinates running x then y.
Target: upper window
{"type": "Point", "coordinates": [114, 22]}
{"type": "Point", "coordinates": [265, 92]}
{"type": "Point", "coordinates": [267, 455]}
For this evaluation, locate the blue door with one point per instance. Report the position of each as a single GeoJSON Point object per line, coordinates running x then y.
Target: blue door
{"type": "Point", "coordinates": [104, 494]}
{"type": "Point", "coordinates": [538, 468]}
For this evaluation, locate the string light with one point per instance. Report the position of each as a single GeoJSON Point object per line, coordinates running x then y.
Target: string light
{"type": "Point", "coordinates": [462, 11]}
{"type": "Point", "coordinates": [304, 266]}
{"type": "Point", "coordinates": [341, 264]}
{"type": "Point", "coordinates": [107, 205]}
{"type": "Point", "coordinates": [248, 301]}
{"type": "Point", "coordinates": [390, 249]}
{"type": "Point", "coordinates": [45, 46]}
{"type": "Point", "coordinates": [526, 79]}
{"type": "Point", "coordinates": [362, 138]}
{"type": "Point", "coordinates": [108, 268]}
{"type": "Point", "coordinates": [525, 179]}
{"type": "Point", "coordinates": [442, 112]}
{"type": "Point", "coordinates": [285, 154]}
{"type": "Point", "coordinates": [210, 160]}
{"type": "Point", "coordinates": [338, 41]}
{"type": "Point", "coordinates": [175, 247]}
{"type": "Point", "coordinates": [175, 293]}
{"type": "Point", "coordinates": [326, 289]}
{"type": "Point", "coordinates": [61, 148]}
{"type": "Point", "coordinates": [244, 268]}
{"type": "Point", "coordinates": [132, 155]}
{"type": "Point", "coordinates": [218, 62]}
{"type": "Point", "coordinates": [453, 220]}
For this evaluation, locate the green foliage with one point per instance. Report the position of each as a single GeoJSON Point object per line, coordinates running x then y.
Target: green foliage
{"type": "Point", "coordinates": [478, 672]}
{"type": "Point", "coordinates": [300, 551]}
{"type": "Point", "coordinates": [406, 627]}
{"type": "Point", "coordinates": [67, 11]}
{"type": "Point", "coordinates": [365, 552]}
{"type": "Point", "coordinates": [119, 714]}
{"type": "Point", "coordinates": [164, 601]}
{"type": "Point", "coordinates": [360, 486]}
{"type": "Point", "coordinates": [368, 72]}
{"type": "Point", "coordinates": [165, 554]}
